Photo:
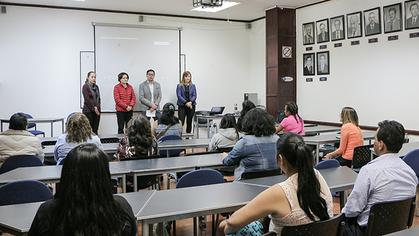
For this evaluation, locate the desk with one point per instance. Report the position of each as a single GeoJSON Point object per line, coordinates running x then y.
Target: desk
{"type": "Point", "coordinates": [182, 144]}
{"type": "Point", "coordinates": [320, 129]}
{"type": "Point", "coordinates": [103, 138]}
{"type": "Point", "coordinates": [207, 118]}
{"type": "Point", "coordinates": [413, 231]}
{"type": "Point", "coordinates": [39, 120]}
{"type": "Point", "coordinates": [108, 148]}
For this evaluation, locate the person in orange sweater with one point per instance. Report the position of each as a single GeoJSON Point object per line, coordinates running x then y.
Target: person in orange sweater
{"type": "Point", "coordinates": [350, 137]}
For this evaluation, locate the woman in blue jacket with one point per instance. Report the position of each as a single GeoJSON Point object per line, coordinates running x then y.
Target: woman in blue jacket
{"type": "Point", "coordinates": [186, 97]}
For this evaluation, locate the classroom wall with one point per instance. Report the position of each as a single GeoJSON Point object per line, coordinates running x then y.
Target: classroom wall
{"type": "Point", "coordinates": [379, 80]}
{"type": "Point", "coordinates": [40, 60]}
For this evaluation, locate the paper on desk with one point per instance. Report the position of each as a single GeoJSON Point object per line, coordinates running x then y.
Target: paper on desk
{"type": "Point", "coordinates": [150, 113]}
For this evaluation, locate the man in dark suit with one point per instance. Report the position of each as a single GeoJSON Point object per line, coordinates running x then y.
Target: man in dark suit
{"type": "Point", "coordinates": [338, 32]}
{"type": "Point", "coordinates": [373, 27]}
{"type": "Point", "coordinates": [323, 36]}
{"type": "Point", "coordinates": [308, 66]}
{"type": "Point", "coordinates": [308, 37]}
{"type": "Point", "coordinates": [413, 21]}
{"type": "Point", "coordinates": [354, 29]}
{"type": "Point", "coordinates": [322, 67]}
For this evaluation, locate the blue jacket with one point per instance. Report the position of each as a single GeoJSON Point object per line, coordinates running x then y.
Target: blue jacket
{"type": "Point", "coordinates": [252, 154]}
{"type": "Point", "coordinates": [181, 98]}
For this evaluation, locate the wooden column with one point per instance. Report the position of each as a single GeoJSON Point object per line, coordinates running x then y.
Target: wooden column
{"type": "Point", "coordinates": [280, 32]}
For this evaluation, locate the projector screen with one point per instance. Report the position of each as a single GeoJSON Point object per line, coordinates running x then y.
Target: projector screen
{"type": "Point", "coordinates": [135, 49]}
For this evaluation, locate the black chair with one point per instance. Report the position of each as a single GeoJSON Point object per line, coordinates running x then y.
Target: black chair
{"type": "Point", "coordinates": [17, 161]}
{"type": "Point", "coordinates": [271, 233]}
{"type": "Point", "coordinates": [326, 164]}
{"type": "Point", "coordinates": [362, 155]}
{"type": "Point", "coordinates": [24, 191]}
{"type": "Point", "coordinates": [110, 140]}
{"type": "Point", "coordinates": [33, 125]}
{"type": "Point", "coordinates": [389, 217]}
{"type": "Point", "coordinates": [200, 121]}
{"type": "Point", "coordinates": [331, 227]}
{"type": "Point", "coordinates": [260, 174]}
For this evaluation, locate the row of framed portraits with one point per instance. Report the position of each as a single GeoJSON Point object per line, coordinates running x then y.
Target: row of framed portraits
{"type": "Point", "coordinates": [323, 63]}
{"type": "Point", "coordinates": [371, 22]}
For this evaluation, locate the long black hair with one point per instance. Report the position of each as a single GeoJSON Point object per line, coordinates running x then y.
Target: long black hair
{"type": "Point", "coordinates": [229, 121]}
{"type": "Point", "coordinates": [85, 204]}
{"type": "Point", "coordinates": [247, 105]}
{"type": "Point", "coordinates": [168, 115]}
{"type": "Point", "coordinates": [258, 122]}
{"type": "Point", "coordinates": [139, 135]}
{"type": "Point", "coordinates": [292, 108]}
{"type": "Point", "coordinates": [300, 158]}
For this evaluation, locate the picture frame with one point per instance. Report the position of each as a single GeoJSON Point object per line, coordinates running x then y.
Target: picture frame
{"type": "Point", "coordinates": [337, 26]}
{"type": "Point", "coordinates": [393, 18]}
{"type": "Point", "coordinates": [323, 63]}
{"type": "Point", "coordinates": [372, 21]}
{"type": "Point", "coordinates": [411, 13]}
{"type": "Point", "coordinates": [308, 33]}
{"type": "Point", "coordinates": [309, 64]}
{"type": "Point", "coordinates": [354, 25]}
{"type": "Point", "coordinates": [322, 31]}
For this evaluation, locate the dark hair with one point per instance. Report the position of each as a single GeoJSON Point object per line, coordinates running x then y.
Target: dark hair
{"type": "Point", "coordinates": [168, 115]}
{"type": "Point", "coordinates": [120, 75]}
{"type": "Point", "coordinates": [258, 122]}
{"type": "Point", "coordinates": [150, 70]}
{"type": "Point", "coordinates": [392, 135]}
{"type": "Point", "coordinates": [300, 158]}
{"type": "Point", "coordinates": [247, 105]}
{"type": "Point", "coordinates": [229, 121]}
{"type": "Point", "coordinates": [88, 75]}
{"type": "Point", "coordinates": [392, 9]}
{"type": "Point", "coordinates": [18, 121]}
{"type": "Point", "coordinates": [139, 135]}
{"type": "Point", "coordinates": [292, 108]}
{"type": "Point", "coordinates": [85, 204]}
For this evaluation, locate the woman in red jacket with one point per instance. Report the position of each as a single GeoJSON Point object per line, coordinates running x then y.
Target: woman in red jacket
{"type": "Point", "coordinates": [124, 96]}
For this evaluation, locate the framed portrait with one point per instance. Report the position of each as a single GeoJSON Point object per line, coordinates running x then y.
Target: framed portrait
{"type": "Point", "coordinates": [411, 12]}
{"type": "Point", "coordinates": [372, 21]}
{"type": "Point", "coordinates": [322, 31]}
{"type": "Point", "coordinates": [392, 18]}
{"type": "Point", "coordinates": [337, 24]}
{"type": "Point", "coordinates": [323, 65]}
{"type": "Point", "coordinates": [308, 64]}
{"type": "Point", "coordinates": [354, 22]}
{"type": "Point", "coordinates": [308, 33]}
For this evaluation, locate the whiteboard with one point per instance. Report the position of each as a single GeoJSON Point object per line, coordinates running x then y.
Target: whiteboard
{"type": "Point", "coordinates": [135, 49]}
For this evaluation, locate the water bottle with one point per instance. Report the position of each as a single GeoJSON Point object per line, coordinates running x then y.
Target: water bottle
{"type": "Point", "coordinates": [213, 130]}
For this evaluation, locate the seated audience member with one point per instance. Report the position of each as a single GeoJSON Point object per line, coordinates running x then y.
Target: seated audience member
{"type": "Point", "coordinates": [292, 122]}
{"type": "Point", "coordinates": [302, 198]}
{"type": "Point", "coordinates": [256, 151]}
{"type": "Point", "coordinates": [350, 138]}
{"type": "Point", "coordinates": [78, 131]}
{"type": "Point", "coordinates": [84, 204]}
{"type": "Point", "coordinates": [227, 135]}
{"type": "Point", "coordinates": [247, 105]}
{"type": "Point", "coordinates": [168, 124]}
{"type": "Point", "coordinates": [18, 141]}
{"type": "Point", "coordinates": [386, 178]}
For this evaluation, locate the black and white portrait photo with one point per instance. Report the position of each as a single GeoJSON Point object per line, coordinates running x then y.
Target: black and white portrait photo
{"type": "Point", "coordinates": [337, 24]}
{"type": "Point", "coordinates": [372, 19]}
{"type": "Point", "coordinates": [323, 66]}
{"type": "Point", "coordinates": [322, 31]}
{"type": "Point", "coordinates": [392, 18]}
{"type": "Point", "coordinates": [354, 21]}
{"type": "Point", "coordinates": [412, 14]}
{"type": "Point", "coordinates": [308, 64]}
{"type": "Point", "coordinates": [308, 33]}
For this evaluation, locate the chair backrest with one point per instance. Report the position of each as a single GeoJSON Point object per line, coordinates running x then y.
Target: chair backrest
{"type": "Point", "coordinates": [260, 174]}
{"type": "Point", "coordinates": [326, 164]}
{"type": "Point", "coordinates": [109, 140]}
{"type": "Point", "coordinates": [17, 161]}
{"type": "Point", "coordinates": [172, 153]}
{"type": "Point", "coordinates": [28, 116]}
{"type": "Point", "coordinates": [412, 159]}
{"type": "Point", "coordinates": [48, 143]}
{"type": "Point", "coordinates": [362, 155]}
{"type": "Point", "coordinates": [25, 191]}
{"type": "Point", "coordinates": [200, 177]}
{"type": "Point", "coordinates": [270, 233]}
{"type": "Point", "coordinates": [388, 217]}
{"type": "Point", "coordinates": [331, 227]}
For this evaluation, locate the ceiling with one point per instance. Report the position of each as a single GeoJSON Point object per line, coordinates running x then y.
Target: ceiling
{"type": "Point", "coordinates": [246, 10]}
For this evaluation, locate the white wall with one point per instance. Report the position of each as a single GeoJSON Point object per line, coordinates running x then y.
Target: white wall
{"type": "Point", "coordinates": [40, 60]}
{"type": "Point", "coordinates": [379, 80]}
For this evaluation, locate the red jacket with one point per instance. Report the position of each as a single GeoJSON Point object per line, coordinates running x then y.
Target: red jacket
{"type": "Point", "coordinates": [124, 97]}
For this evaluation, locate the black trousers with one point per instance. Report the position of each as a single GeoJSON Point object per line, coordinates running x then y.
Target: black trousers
{"type": "Point", "coordinates": [344, 162]}
{"type": "Point", "coordinates": [184, 111]}
{"type": "Point", "coordinates": [123, 118]}
{"type": "Point", "coordinates": [94, 120]}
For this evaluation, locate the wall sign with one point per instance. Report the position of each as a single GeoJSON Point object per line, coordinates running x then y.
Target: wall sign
{"type": "Point", "coordinates": [286, 52]}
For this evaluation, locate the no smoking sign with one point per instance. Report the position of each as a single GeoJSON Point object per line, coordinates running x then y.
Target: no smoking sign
{"type": "Point", "coordinates": [286, 52]}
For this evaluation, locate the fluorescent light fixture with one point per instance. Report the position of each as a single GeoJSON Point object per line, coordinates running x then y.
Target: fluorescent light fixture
{"type": "Point", "coordinates": [79, 0]}
{"type": "Point", "coordinates": [226, 4]}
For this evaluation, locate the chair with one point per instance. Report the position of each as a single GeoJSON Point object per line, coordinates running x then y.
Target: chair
{"type": "Point", "coordinates": [331, 227]}
{"type": "Point", "coordinates": [260, 174]}
{"type": "Point", "coordinates": [170, 153]}
{"type": "Point", "coordinates": [17, 161]}
{"type": "Point", "coordinates": [33, 125]}
{"type": "Point", "coordinates": [362, 155]}
{"type": "Point", "coordinates": [199, 178]}
{"type": "Point", "coordinates": [200, 121]}
{"type": "Point", "coordinates": [25, 191]}
{"type": "Point", "coordinates": [412, 160]}
{"type": "Point", "coordinates": [110, 140]}
{"type": "Point", "coordinates": [271, 233]}
{"type": "Point", "coordinates": [389, 217]}
{"type": "Point", "coordinates": [326, 164]}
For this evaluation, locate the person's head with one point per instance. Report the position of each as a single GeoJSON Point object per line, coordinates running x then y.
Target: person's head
{"type": "Point", "coordinates": [168, 115]}
{"type": "Point", "coordinates": [414, 9]}
{"type": "Point", "coordinates": [322, 27]}
{"type": "Point", "coordinates": [150, 75]}
{"type": "Point", "coordinates": [337, 24]}
{"type": "Point", "coordinates": [228, 121]}
{"type": "Point", "coordinates": [258, 122]}
{"type": "Point", "coordinates": [308, 30]}
{"type": "Point", "coordinates": [139, 135]}
{"type": "Point", "coordinates": [78, 128]}
{"type": "Point", "coordinates": [389, 137]}
{"type": "Point", "coordinates": [186, 77]}
{"type": "Point", "coordinates": [371, 18]}
{"type": "Point", "coordinates": [349, 115]}
{"type": "Point", "coordinates": [353, 21]}
{"type": "Point", "coordinates": [322, 59]}
{"type": "Point", "coordinates": [91, 77]}
{"type": "Point", "coordinates": [308, 62]}
{"type": "Point", "coordinates": [294, 156]}
{"type": "Point", "coordinates": [392, 13]}
{"type": "Point", "coordinates": [291, 109]}
{"type": "Point", "coordinates": [247, 105]}
{"type": "Point", "coordinates": [123, 78]}
{"type": "Point", "coordinates": [18, 121]}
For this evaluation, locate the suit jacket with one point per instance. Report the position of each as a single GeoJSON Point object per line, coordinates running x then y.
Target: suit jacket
{"type": "Point", "coordinates": [308, 71]}
{"type": "Point", "coordinates": [181, 98]}
{"type": "Point", "coordinates": [354, 31]}
{"type": "Point", "coordinates": [324, 71]}
{"type": "Point", "coordinates": [409, 23]}
{"type": "Point", "coordinates": [145, 95]}
{"type": "Point", "coordinates": [393, 25]}
{"type": "Point", "coordinates": [323, 37]}
{"type": "Point", "coordinates": [335, 34]}
{"type": "Point", "coordinates": [308, 39]}
{"type": "Point", "coordinates": [90, 102]}
{"type": "Point", "coordinates": [372, 29]}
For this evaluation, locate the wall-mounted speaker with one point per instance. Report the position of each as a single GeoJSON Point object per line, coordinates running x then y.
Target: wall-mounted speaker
{"type": "Point", "coordinates": [3, 10]}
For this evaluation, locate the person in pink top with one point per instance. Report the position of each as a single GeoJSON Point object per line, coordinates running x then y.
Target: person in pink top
{"type": "Point", "coordinates": [292, 122]}
{"type": "Point", "coordinates": [350, 137]}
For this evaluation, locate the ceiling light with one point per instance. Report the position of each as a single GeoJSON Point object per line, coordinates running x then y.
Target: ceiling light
{"type": "Point", "coordinates": [207, 3]}
{"type": "Point", "coordinates": [225, 5]}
